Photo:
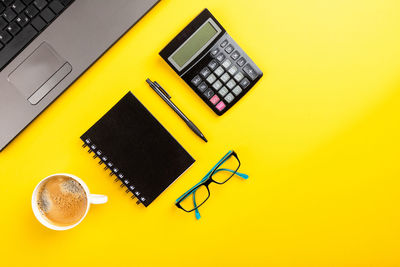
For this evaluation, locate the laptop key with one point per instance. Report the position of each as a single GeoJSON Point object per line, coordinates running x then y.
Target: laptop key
{"type": "Point", "coordinates": [18, 6]}
{"type": "Point", "coordinates": [22, 20]}
{"type": "Point", "coordinates": [38, 23]}
{"type": "Point", "coordinates": [47, 15]}
{"type": "Point", "coordinates": [9, 14]}
{"type": "Point", "coordinates": [31, 11]}
{"type": "Point", "coordinates": [3, 23]}
{"type": "Point", "coordinates": [13, 28]}
{"type": "Point", "coordinates": [5, 37]}
{"type": "Point", "coordinates": [16, 44]}
{"type": "Point", "coordinates": [2, 7]}
{"type": "Point", "coordinates": [40, 4]}
{"type": "Point", "coordinates": [56, 6]}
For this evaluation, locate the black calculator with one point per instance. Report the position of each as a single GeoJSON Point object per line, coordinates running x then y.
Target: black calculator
{"type": "Point", "coordinates": [206, 57]}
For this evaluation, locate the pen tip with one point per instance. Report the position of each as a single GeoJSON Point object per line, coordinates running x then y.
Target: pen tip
{"type": "Point", "coordinates": [148, 81]}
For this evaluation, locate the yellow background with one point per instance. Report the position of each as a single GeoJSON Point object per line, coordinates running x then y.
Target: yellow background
{"type": "Point", "coordinates": [318, 135]}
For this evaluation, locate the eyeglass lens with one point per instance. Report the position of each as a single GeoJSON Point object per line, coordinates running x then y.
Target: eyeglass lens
{"type": "Point", "coordinates": [226, 170]}
{"type": "Point", "coordinates": [195, 199]}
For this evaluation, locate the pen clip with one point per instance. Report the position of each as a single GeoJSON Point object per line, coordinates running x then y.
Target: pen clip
{"type": "Point", "coordinates": [161, 89]}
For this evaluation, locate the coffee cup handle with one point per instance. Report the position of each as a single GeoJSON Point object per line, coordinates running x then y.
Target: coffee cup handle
{"type": "Point", "coordinates": [97, 199]}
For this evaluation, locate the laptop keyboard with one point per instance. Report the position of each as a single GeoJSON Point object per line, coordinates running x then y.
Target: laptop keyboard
{"type": "Point", "coordinates": [21, 21]}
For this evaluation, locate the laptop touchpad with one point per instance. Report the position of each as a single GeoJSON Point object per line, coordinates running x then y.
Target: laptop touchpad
{"type": "Point", "coordinates": [39, 73]}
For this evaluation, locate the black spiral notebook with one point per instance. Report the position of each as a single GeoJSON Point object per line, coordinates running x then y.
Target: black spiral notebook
{"type": "Point", "coordinates": [137, 149]}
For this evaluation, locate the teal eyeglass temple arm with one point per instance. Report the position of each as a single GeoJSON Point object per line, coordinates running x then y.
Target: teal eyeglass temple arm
{"type": "Point", "coordinates": [242, 175]}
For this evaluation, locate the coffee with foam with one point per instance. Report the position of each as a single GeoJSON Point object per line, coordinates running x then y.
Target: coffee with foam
{"type": "Point", "coordinates": [62, 200]}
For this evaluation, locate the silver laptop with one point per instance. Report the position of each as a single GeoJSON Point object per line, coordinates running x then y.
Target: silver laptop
{"type": "Point", "coordinates": [45, 45]}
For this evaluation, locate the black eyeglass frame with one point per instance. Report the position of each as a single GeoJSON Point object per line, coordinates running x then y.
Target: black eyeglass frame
{"type": "Point", "coordinates": [208, 180]}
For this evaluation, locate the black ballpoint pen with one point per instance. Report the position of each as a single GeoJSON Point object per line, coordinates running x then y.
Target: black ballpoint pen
{"type": "Point", "coordinates": [167, 98]}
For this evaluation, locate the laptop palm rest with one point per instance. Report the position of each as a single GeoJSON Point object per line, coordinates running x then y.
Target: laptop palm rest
{"type": "Point", "coordinates": [39, 73]}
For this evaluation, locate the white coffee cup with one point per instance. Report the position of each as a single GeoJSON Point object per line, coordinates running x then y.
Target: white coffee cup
{"type": "Point", "coordinates": [91, 199]}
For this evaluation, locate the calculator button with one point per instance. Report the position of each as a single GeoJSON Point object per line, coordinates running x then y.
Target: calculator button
{"type": "Point", "coordinates": [219, 71]}
{"type": "Point", "coordinates": [214, 52]}
{"type": "Point", "coordinates": [238, 77]}
{"type": "Point", "coordinates": [244, 83]}
{"type": "Point", "coordinates": [196, 80]}
{"type": "Point", "coordinates": [211, 78]}
{"type": "Point", "coordinates": [202, 87]}
{"type": "Point", "coordinates": [232, 70]}
{"type": "Point", "coordinates": [205, 72]}
{"type": "Point", "coordinates": [229, 98]}
{"type": "Point", "coordinates": [231, 84]}
{"type": "Point", "coordinates": [225, 77]}
{"type": "Point", "coordinates": [220, 57]}
{"type": "Point", "coordinates": [220, 106]}
{"type": "Point", "coordinates": [237, 90]}
{"type": "Point", "coordinates": [227, 63]}
{"type": "Point", "coordinates": [223, 91]}
{"type": "Point", "coordinates": [224, 43]}
{"type": "Point", "coordinates": [241, 62]}
{"type": "Point", "coordinates": [213, 64]}
{"type": "Point", "coordinates": [208, 93]}
{"type": "Point", "coordinates": [214, 99]}
{"type": "Point", "coordinates": [235, 55]}
{"type": "Point", "coordinates": [217, 85]}
{"type": "Point", "coordinates": [250, 71]}
{"type": "Point", "coordinates": [229, 49]}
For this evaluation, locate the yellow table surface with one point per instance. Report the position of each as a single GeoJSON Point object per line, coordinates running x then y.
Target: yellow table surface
{"type": "Point", "coordinates": [318, 135]}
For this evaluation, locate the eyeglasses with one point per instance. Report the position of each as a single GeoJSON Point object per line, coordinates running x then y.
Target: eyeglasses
{"type": "Point", "coordinates": [219, 174]}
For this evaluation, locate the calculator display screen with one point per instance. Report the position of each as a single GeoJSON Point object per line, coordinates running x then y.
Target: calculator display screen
{"type": "Point", "coordinates": [194, 44]}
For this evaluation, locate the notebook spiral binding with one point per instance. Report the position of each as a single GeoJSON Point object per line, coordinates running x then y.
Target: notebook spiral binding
{"type": "Point", "coordinates": [113, 170]}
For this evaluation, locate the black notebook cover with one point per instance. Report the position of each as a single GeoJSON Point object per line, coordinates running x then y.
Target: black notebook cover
{"type": "Point", "coordinates": [137, 149]}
